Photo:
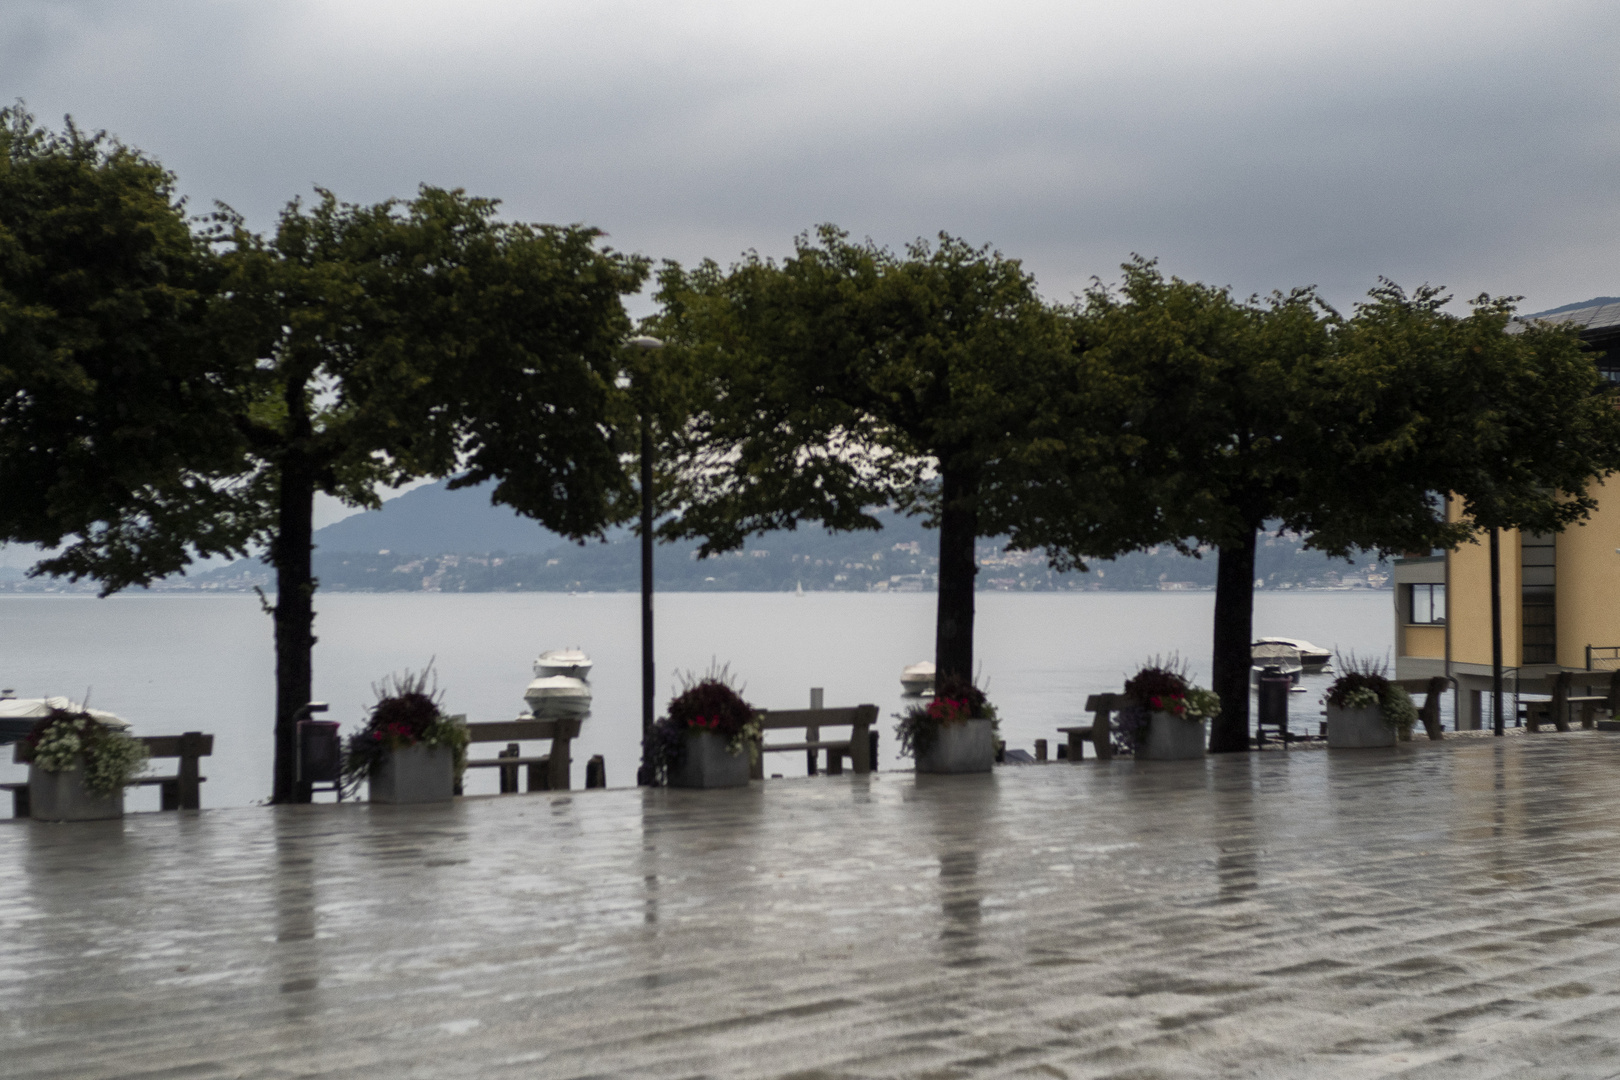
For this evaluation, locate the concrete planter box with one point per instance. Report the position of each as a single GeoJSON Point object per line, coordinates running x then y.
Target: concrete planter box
{"type": "Point", "coordinates": [1172, 738]}
{"type": "Point", "coordinates": [416, 774]}
{"type": "Point", "coordinates": [963, 746]}
{"type": "Point", "coordinates": [62, 796]}
{"type": "Point", "coordinates": [1357, 729]}
{"type": "Point", "coordinates": [709, 764]}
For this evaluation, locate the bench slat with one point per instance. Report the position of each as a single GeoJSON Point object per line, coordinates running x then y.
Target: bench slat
{"type": "Point", "coordinates": [769, 748]}
{"type": "Point", "coordinates": [490, 763]}
{"type": "Point", "coordinates": [167, 746]}
{"type": "Point", "coordinates": [521, 730]}
{"type": "Point", "coordinates": [798, 718]}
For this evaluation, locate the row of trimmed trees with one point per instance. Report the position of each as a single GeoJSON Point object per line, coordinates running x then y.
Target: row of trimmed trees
{"type": "Point", "coordinates": [172, 388]}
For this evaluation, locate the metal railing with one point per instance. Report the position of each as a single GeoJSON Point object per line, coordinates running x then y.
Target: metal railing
{"type": "Point", "coordinates": [1603, 658]}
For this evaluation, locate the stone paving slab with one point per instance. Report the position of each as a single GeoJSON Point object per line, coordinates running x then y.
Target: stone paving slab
{"type": "Point", "coordinates": [1433, 910]}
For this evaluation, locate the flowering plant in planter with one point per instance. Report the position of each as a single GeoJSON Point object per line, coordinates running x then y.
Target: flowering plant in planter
{"type": "Point", "coordinates": [1161, 685]}
{"type": "Point", "coordinates": [706, 703]}
{"type": "Point", "coordinates": [955, 699]}
{"type": "Point", "coordinates": [408, 712]}
{"type": "Point", "coordinates": [66, 738]}
{"type": "Point", "coordinates": [1365, 684]}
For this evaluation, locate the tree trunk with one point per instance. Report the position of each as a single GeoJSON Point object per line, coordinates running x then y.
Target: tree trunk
{"type": "Point", "coordinates": [294, 618]}
{"type": "Point", "coordinates": [294, 614]}
{"type": "Point", "coordinates": [1234, 640]}
{"type": "Point", "coordinates": [958, 531]}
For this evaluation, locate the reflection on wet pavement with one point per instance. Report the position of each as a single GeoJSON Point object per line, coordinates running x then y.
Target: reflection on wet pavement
{"type": "Point", "coordinates": [1434, 910]}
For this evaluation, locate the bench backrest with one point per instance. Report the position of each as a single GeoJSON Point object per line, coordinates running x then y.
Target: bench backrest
{"type": "Point", "coordinates": [191, 744]}
{"type": "Point", "coordinates": [797, 718]}
{"type": "Point", "coordinates": [1416, 685]}
{"type": "Point", "coordinates": [1099, 702]}
{"type": "Point", "coordinates": [520, 730]}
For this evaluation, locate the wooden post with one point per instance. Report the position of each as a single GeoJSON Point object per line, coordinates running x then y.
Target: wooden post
{"type": "Point", "coordinates": [1077, 745]}
{"type": "Point", "coordinates": [1101, 737]}
{"type": "Point", "coordinates": [509, 774]}
{"type": "Point", "coordinates": [596, 772]}
{"type": "Point", "coordinates": [1430, 712]}
{"type": "Point", "coordinates": [190, 793]}
{"type": "Point", "coordinates": [863, 742]}
{"type": "Point", "coordinates": [1614, 695]}
{"type": "Point", "coordinates": [540, 775]}
{"type": "Point", "coordinates": [561, 763]}
{"type": "Point", "coordinates": [756, 768]}
{"type": "Point", "coordinates": [1560, 700]}
{"type": "Point", "coordinates": [812, 733]}
{"type": "Point", "coordinates": [1040, 749]}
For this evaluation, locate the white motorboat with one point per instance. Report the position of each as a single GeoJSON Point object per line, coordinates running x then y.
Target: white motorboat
{"type": "Point", "coordinates": [571, 662]}
{"type": "Point", "coordinates": [1272, 656]}
{"type": "Point", "coordinates": [19, 715]}
{"type": "Point", "coordinates": [557, 697]}
{"type": "Point", "coordinates": [1313, 659]}
{"type": "Point", "coordinates": [918, 679]}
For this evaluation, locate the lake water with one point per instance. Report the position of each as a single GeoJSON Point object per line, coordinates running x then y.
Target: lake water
{"type": "Point", "coordinates": [176, 663]}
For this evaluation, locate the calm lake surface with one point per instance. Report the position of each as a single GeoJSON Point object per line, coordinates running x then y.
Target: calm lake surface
{"type": "Point", "coordinates": [185, 663]}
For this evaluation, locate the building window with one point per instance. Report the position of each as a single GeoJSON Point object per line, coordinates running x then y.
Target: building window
{"type": "Point", "coordinates": [1426, 604]}
{"type": "Point", "coordinates": [1538, 581]}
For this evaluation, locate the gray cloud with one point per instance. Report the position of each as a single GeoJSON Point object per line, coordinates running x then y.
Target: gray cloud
{"type": "Point", "coordinates": [1258, 144]}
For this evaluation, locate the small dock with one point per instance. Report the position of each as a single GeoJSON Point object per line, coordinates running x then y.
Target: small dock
{"type": "Point", "coordinates": [1434, 910]}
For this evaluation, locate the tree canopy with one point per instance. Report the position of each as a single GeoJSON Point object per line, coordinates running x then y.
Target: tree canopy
{"type": "Point", "coordinates": [1344, 430]}
{"type": "Point", "coordinates": [421, 339]}
{"type": "Point", "coordinates": [116, 431]}
{"type": "Point", "coordinates": [847, 378]}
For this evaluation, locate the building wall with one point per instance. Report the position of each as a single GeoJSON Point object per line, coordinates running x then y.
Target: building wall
{"type": "Point", "coordinates": [1427, 642]}
{"type": "Point", "coordinates": [1468, 600]}
{"type": "Point", "coordinates": [1589, 582]}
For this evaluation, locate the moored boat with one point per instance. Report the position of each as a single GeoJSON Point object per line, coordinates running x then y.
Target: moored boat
{"type": "Point", "coordinates": [918, 679]}
{"type": "Point", "coordinates": [555, 697]}
{"type": "Point", "coordinates": [19, 715]}
{"type": "Point", "coordinates": [571, 662]}
{"type": "Point", "coordinates": [1283, 659]}
{"type": "Point", "coordinates": [560, 690]}
{"type": "Point", "coordinates": [1313, 659]}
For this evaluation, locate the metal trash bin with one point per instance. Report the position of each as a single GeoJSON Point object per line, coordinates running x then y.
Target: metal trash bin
{"type": "Point", "coordinates": [1274, 687]}
{"type": "Point", "coordinates": [320, 756]}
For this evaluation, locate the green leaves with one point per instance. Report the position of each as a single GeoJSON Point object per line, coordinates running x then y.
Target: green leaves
{"type": "Point", "coordinates": [846, 377]}
{"type": "Point", "coordinates": [115, 404]}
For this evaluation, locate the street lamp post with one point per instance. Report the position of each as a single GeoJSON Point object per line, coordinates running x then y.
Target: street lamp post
{"type": "Point", "coordinates": [644, 775]}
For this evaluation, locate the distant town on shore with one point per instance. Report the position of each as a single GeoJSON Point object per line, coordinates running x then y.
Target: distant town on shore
{"type": "Point", "coordinates": [432, 539]}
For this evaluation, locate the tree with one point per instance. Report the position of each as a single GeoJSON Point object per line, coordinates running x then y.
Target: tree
{"type": "Point", "coordinates": [421, 339]}
{"type": "Point", "coordinates": [116, 433]}
{"type": "Point", "coordinates": [1345, 431]}
{"type": "Point", "coordinates": [1512, 421]}
{"type": "Point", "coordinates": [848, 378]}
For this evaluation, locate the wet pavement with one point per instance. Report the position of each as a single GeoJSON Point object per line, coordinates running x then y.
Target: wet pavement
{"type": "Point", "coordinates": [1435, 910]}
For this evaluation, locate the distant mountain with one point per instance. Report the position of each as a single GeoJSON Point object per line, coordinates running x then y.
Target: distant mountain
{"type": "Point", "coordinates": [435, 540]}
{"type": "Point", "coordinates": [433, 520]}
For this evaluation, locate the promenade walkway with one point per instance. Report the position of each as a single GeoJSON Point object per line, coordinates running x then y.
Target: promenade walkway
{"type": "Point", "coordinates": [1435, 911]}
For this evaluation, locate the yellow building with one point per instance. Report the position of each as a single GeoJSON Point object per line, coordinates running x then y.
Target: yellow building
{"type": "Point", "coordinates": [1560, 593]}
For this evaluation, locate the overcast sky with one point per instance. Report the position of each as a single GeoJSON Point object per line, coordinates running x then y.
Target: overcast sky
{"type": "Point", "coordinates": [1257, 144]}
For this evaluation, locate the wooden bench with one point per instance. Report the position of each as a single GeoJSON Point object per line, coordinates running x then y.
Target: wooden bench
{"type": "Point", "coordinates": [1563, 701]}
{"type": "Point", "coordinates": [860, 746]}
{"type": "Point", "coordinates": [1429, 711]}
{"type": "Point", "coordinates": [547, 772]}
{"type": "Point", "coordinates": [1099, 732]}
{"type": "Point", "coordinates": [183, 791]}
